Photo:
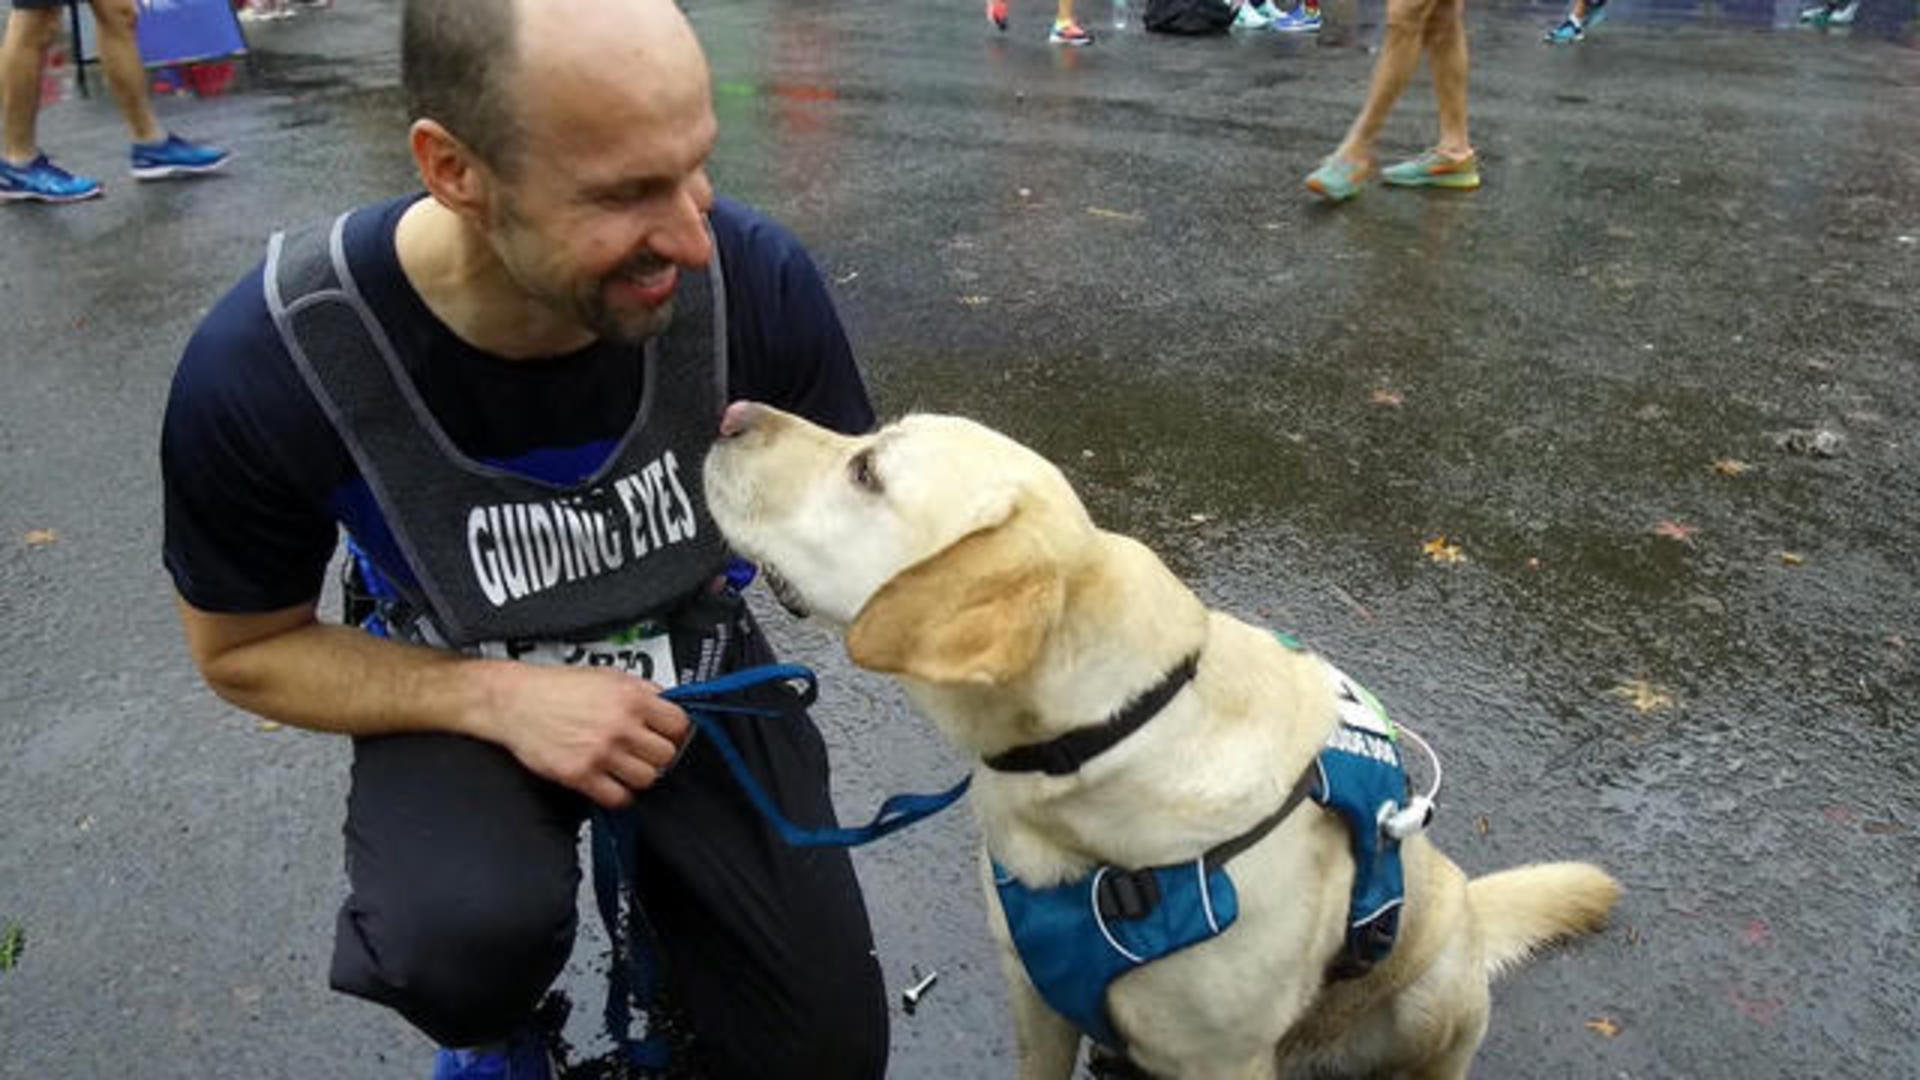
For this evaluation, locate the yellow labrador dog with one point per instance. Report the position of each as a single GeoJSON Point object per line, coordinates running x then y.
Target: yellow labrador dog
{"type": "Point", "coordinates": [962, 563]}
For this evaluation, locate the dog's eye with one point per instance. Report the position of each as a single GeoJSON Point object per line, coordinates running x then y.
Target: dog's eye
{"type": "Point", "coordinates": [860, 469]}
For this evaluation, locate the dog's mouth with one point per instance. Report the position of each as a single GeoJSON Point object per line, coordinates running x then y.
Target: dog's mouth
{"type": "Point", "coordinates": [784, 592]}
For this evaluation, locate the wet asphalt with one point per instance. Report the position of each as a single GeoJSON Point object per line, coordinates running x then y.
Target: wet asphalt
{"type": "Point", "coordinates": [1698, 243]}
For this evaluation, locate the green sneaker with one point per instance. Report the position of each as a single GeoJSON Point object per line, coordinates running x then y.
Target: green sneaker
{"type": "Point", "coordinates": [1337, 179]}
{"type": "Point", "coordinates": [1433, 169]}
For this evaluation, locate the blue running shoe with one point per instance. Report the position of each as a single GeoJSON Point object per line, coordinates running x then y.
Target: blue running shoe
{"type": "Point", "coordinates": [175, 156]}
{"type": "Point", "coordinates": [41, 180]}
{"type": "Point", "coordinates": [1297, 21]}
{"type": "Point", "coordinates": [522, 1058]}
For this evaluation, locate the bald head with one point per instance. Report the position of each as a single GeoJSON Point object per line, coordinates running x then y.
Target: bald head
{"type": "Point", "coordinates": [481, 67]}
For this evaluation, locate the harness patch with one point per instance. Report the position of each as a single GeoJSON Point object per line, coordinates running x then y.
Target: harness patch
{"type": "Point", "coordinates": [1075, 939]}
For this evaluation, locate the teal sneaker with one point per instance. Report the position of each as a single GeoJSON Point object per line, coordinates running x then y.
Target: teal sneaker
{"type": "Point", "coordinates": [1433, 169]}
{"type": "Point", "coordinates": [41, 180]}
{"type": "Point", "coordinates": [1568, 32]}
{"type": "Point", "coordinates": [1248, 17]}
{"type": "Point", "coordinates": [1337, 179]}
{"type": "Point", "coordinates": [1830, 14]}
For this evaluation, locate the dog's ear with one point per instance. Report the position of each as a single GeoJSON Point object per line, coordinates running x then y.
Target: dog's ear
{"type": "Point", "coordinates": [977, 612]}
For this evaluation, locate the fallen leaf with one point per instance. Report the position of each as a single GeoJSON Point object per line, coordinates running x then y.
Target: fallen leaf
{"type": "Point", "coordinates": [1481, 826]}
{"type": "Point", "coordinates": [1391, 398]}
{"type": "Point", "coordinates": [1604, 1026]}
{"type": "Point", "coordinates": [1086, 454]}
{"type": "Point", "coordinates": [1199, 519]}
{"type": "Point", "coordinates": [13, 942]}
{"type": "Point", "coordinates": [1790, 558]}
{"type": "Point", "coordinates": [1885, 828]}
{"type": "Point", "coordinates": [1117, 215]}
{"type": "Point", "coordinates": [1643, 695]}
{"type": "Point", "coordinates": [1440, 551]}
{"type": "Point", "coordinates": [849, 277]}
{"type": "Point", "coordinates": [1026, 193]}
{"type": "Point", "coordinates": [38, 538]}
{"type": "Point", "coordinates": [271, 725]}
{"type": "Point", "coordinates": [975, 301]}
{"type": "Point", "coordinates": [1674, 530]}
{"type": "Point", "coordinates": [1727, 466]}
{"type": "Point", "coordinates": [1758, 1009]}
{"type": "Point", "coordinates": [1533, 564]}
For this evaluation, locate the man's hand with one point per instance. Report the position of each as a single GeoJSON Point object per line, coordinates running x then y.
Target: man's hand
{"type": "Point", "coordinates": [602, 733]}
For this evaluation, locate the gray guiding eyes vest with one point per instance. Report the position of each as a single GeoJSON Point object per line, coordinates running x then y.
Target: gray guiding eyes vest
{"type": "Point", "coordinates": [496, 555]}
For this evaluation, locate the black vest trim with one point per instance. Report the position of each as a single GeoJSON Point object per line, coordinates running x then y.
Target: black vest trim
{"type": "Point", "coordinates": [496, 555]}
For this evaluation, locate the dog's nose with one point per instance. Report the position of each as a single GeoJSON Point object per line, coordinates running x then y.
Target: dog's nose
{"type": "Point", "coordinates": [738, 419]}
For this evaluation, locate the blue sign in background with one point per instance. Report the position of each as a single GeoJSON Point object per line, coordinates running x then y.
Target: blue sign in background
{"type": "Point", "coordinates": [177, 31]}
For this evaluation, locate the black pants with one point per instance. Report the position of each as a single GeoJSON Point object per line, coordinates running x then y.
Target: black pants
{"type": "Point", "coordinates": [465, 887]}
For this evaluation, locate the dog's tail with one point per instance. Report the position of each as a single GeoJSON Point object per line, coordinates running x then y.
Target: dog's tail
{"type": "Point", "coordinates": [1521, 909]}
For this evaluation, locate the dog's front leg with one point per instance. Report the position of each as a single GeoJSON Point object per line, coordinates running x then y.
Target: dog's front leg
{"type": "Point", "coordinates": [1047, 1042]}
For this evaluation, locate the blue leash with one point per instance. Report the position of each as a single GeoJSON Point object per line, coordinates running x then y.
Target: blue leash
{"type": "Point", "coordinates": [703, 701]}
{"type": "Point", "coordinates": [613, 835]}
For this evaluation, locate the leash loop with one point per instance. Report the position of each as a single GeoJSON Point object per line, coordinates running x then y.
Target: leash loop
{"type": "Point", "coordinates": [705, 702]}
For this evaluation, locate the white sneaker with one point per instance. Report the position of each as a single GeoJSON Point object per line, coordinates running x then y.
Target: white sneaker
{"type": "Point", "coordinates": [1248, 17]}
{"type": "Point", "coordinates": [1843, 16]}
{"type": "Point", "coordinates": [1267, 11]}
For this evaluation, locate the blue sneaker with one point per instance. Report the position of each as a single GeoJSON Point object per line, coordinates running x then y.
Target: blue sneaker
{"type": "Point", "coordinates": [1297, 21]}
{"type": "Point", "coordinates": [41, 180]}
{"type": "Point", "coordinates": [522, 1058]}
{"type": "Point", "coordinates": [175, 156]}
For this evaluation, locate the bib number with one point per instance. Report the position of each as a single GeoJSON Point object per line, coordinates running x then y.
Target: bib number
{"type": "Point", "coordinates": [641, 651]}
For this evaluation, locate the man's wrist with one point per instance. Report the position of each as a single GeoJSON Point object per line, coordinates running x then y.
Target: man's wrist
{"type": "Point", "coordinates": [478, 691]}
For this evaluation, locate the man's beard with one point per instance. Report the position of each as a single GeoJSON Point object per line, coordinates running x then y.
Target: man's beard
{"type": "Point", "coordinates": [587, 305]}
{"type": "Point", "coordinates": [637, 324]}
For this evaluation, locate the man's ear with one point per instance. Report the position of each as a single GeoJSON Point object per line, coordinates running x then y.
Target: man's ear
{"type": "Point", "coordinates": [449, 170]}
{"type": "Point", "coordinates": [977, 612]}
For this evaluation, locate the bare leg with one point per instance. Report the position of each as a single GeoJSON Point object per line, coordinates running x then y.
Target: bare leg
{"type": "Point", "coordinates": [1447, 58]}
{"type": "Point", "coordinates": [1399, 56]}
{"type": "Point", "coordinates": [28, 34]}
{"type": "Point", "coordinates": [120, 58]}
{"type": "Point", "coordinates": [1063, 11]}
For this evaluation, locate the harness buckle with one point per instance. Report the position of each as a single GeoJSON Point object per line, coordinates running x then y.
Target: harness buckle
{"type": "Point", "coordinates": [1127, 894]}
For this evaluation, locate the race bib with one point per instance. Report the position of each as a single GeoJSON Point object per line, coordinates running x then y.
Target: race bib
{"type": "Point", "coordinates": [1358, 707]}
{"type": "Point", "coordinates": [642, 650]}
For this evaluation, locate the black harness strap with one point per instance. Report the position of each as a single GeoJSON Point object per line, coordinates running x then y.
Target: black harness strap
{"type": "Point", "coordinates": [1065, 755]}
{"type": "Point", "coordinates": [1133, 894]}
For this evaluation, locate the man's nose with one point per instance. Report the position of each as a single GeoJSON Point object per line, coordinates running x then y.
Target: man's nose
{"type": "Point", "coordinates": [683, 237]}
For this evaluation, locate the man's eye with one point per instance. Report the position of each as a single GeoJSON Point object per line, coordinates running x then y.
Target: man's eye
{"type": "Point", "coordinates": [861, 471]}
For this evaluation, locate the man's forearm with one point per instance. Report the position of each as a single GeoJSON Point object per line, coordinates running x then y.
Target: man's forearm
{"type": "Point", "coordinates": [333, 678]}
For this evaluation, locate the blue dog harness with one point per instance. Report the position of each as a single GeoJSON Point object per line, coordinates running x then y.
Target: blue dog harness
{"type": "Point", "coordinates": [1076, 939]}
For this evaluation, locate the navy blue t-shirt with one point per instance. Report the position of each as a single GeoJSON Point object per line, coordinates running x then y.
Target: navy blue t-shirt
{"type": "Point", "coordinates": [257, 481]}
